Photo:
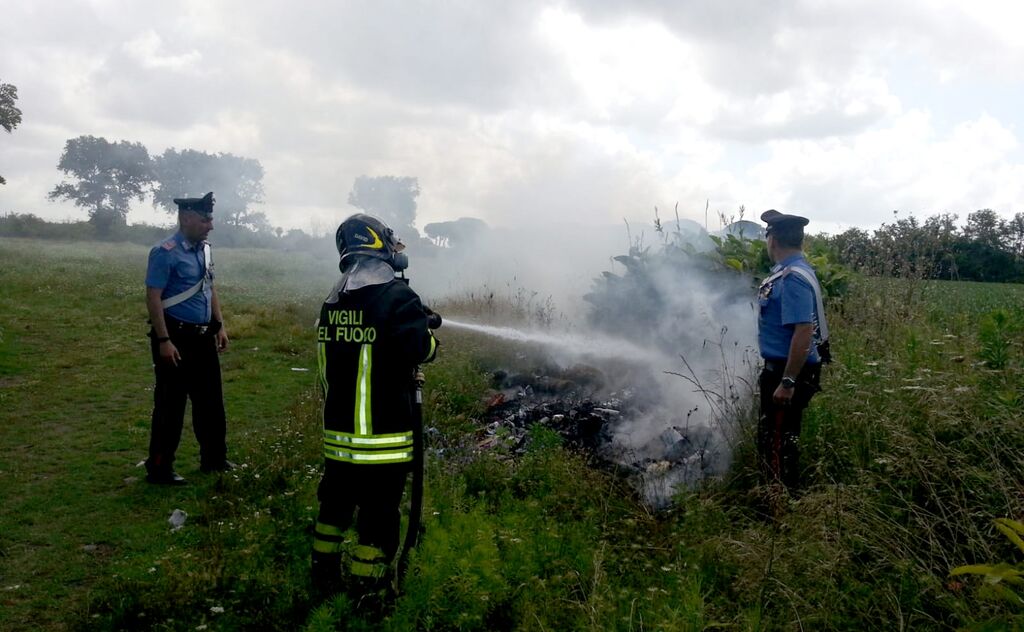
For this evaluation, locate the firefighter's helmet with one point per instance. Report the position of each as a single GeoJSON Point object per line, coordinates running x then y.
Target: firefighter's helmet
{"type": "Point", "coordinates": [366, 235]}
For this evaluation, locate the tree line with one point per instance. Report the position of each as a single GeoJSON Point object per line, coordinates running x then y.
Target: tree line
{"type": "Point", "coordinates": [104, 178]}
{"type": "Point", "coordinates": [985, 248]}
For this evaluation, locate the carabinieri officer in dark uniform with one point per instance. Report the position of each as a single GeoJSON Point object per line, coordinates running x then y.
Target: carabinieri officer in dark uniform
{"type": "Point", "coordinates": [791, 328]}
{"type": "Point", "coordinates": [187, 334]}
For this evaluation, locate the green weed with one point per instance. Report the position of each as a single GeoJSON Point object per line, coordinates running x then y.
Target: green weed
{"type": "Point", "coordinates": [907, 452]}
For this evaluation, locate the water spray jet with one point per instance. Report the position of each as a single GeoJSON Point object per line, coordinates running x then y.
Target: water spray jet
{"type": "Point", "coordinates": [641, 418]}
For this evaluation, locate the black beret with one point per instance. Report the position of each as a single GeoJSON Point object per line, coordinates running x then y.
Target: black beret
{"type": "Point", "coordinates": [774, 218]}
{"type": "Point", "coordinates": [203, 205]}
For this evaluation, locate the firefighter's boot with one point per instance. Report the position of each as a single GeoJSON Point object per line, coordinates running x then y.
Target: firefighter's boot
{"type": "Point", "coordinates": [325, 570]}
{"type": "Point", "coordinates": [369, 568]}
{"type": "Point", "coordinates": [325, 575]}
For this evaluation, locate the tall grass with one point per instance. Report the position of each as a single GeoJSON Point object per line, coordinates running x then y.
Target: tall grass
{"type": "Point", "coordinates": [910, 453]}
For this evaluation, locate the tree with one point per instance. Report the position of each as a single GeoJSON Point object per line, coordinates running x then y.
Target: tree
{"type": "Point", "coordinates": [459, 233]}
{"type": "Point", "coordinates": [985, 227]}
{"type": "Point", "coordinates": [10, 115]}
{"type": "Point", "coordinates": [237, 184]}
{"type": "Point", "coordinates": [1015, 235]}
{"type": "Point", "coordinates": [391, 199]}
{"type": "Point", "coordinates": [109, 176]}
{"type": "Point", "coordinates": [853, 247]}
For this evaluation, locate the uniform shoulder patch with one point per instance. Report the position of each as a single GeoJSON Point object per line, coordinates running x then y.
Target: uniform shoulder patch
{"type": "Point", "coordinates": [168, 245]}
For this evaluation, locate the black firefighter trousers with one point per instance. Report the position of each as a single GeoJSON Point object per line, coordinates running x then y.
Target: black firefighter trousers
{"type": "Point", "coordinates": [370, 496]}
{"type": "Point", "coordinates": [197, 376]}
{"type": "Point", "coordinates": [778, 427]}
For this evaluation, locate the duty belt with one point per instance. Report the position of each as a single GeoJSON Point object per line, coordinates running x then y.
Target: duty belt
{"type": "Point", "coordinates": [192, 329]}
{"type": "Point", "coordinates": [775, 366]}
{"type": "Point", "coordinates": [779, 366]}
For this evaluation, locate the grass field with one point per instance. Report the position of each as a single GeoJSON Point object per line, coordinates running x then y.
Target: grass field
{"type": "Point", "coordinates": [915, 446]}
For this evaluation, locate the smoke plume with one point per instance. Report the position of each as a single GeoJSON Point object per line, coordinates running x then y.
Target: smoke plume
{"type": "Point", "coordinates": [672, 332]}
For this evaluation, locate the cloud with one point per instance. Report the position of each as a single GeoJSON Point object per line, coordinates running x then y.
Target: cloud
{"type": "Point", "coordinates": [148, 48]}
{"type": "Point", "coordinates": [907, 165]}
{"type": "Point", "coordinates": [522, 112]}
{"type": "Point", "coordinates": [482, 56]}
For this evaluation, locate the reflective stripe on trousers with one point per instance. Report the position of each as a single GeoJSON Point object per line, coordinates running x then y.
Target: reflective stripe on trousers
{"type": "Point", "coordinates": [327, 538]}
{"type": "Point", "coordinates": [368, 561]}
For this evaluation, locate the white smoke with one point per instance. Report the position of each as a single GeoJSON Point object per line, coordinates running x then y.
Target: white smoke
{"type": "Point", "coordinates": [687, 368]}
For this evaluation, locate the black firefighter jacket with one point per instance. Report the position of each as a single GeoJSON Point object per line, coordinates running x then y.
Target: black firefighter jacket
{"type": "Point", "coordinates": [369, 344]}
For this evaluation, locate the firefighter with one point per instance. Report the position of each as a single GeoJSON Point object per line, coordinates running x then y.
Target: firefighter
{"type": "Point", "coordinates": [793, 340]}
{"type": "Point", "coordinates": [372, 334]}
{"type": "Point", "coordinates": [187, 334]}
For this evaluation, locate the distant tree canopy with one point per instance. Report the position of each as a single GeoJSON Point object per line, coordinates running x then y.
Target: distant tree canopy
{"type": "Point", "coordinates": [391, 199]}
{"type": "Point", "coordinates": [986, 248]}
{"type": "Point", "coordinates": [10, 115]}
{"type": "Point", "coordinates": [237, 184]}
{"type": "Point", "coordinates": [106, 177]}
{"type": "Point", "coordinates": [457, 233]}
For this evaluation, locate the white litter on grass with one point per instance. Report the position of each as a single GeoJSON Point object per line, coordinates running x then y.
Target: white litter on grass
{"type": "Point", "coordinates": [217, 609]}
{"type": "Point", "coordinates": [299, 369]}
{"type": "Point", "coordinates": [177, 519]}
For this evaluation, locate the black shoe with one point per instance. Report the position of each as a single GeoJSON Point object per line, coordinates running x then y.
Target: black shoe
{"type": "Point", "coordinates": [223, 466]}
{"type": "Point", "coordinates": [325, 577]}
{"type": "Point", "coordinates": [169, 477]}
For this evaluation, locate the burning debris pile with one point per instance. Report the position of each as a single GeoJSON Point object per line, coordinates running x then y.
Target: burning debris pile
{"type": "Point", "coordinates": [575, 403]}
{"type": "Point", "coordinates": [638, 412]}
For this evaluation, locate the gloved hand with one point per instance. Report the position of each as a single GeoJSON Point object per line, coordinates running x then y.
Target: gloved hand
{"type": "Point", "coordinates": [433, 318]}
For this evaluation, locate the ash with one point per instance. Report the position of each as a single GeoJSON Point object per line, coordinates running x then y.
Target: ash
{"type": "Point", "coordinates": [657, 450]}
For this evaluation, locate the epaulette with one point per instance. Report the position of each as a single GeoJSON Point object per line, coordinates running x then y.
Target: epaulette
{"type": "Point", "coordinates": [169, 245]}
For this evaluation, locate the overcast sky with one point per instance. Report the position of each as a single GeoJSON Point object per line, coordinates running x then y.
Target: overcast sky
{"type": "Point", "coordinates": [539, 111]}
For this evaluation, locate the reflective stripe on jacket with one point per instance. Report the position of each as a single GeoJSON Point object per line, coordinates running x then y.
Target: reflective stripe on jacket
{"type": "Point", "coordinates": [369, 344]}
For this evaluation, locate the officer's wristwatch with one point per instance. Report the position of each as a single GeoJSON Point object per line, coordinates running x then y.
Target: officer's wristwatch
{"type": "Point", "coordinates": [788, 382]}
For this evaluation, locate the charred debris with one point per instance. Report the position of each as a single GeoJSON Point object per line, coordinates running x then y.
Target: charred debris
{"type": "Point", "coordinates": [591, 418]}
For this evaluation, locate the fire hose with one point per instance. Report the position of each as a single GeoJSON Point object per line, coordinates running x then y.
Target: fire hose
{"type": "Point", "coordinates": [412, 532]}
{"type": "Point", "coordinates": [416, 502]}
